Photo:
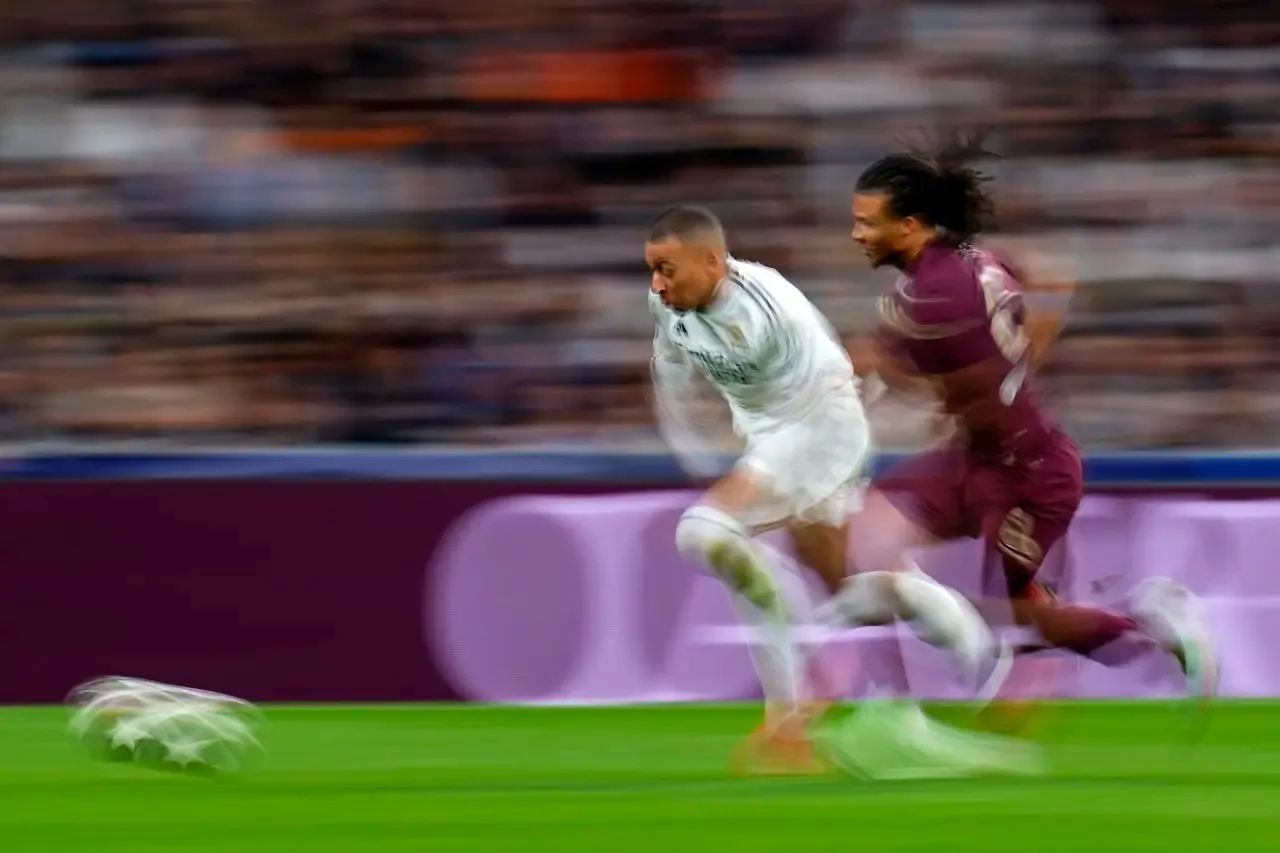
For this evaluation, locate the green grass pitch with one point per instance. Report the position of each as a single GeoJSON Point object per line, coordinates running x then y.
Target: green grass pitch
{"type": "Point", "coordinates": [654, 779]}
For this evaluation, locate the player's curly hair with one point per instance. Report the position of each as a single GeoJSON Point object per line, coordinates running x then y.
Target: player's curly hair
{"type": "Point", "coordinates": [937, 186]}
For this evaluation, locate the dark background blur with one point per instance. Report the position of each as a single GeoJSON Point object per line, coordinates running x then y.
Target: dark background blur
{"type": "Point", "coordinates": [280, 222]}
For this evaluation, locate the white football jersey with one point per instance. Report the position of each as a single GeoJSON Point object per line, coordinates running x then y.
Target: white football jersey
{"type": "Point", "coordinates": [763, 346]}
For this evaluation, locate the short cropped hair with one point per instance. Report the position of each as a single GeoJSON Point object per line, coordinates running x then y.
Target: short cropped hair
{"type": "Point", "coordinates": [685, 222]}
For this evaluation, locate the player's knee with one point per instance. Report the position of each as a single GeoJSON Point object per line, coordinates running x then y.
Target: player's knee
{"type": "Point", "coordinates": [704, 530]}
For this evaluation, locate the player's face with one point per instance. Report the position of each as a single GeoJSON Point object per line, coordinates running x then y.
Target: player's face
{"type": "Point", "coordinates": [684, 275]}
{"type": "Point", "coordinates": [882, 236]}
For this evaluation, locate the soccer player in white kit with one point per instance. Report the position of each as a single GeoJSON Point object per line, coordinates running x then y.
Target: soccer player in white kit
{"type": "Point", "coordinates": [794, 401]}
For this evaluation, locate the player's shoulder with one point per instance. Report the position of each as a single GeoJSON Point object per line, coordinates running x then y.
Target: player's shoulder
{"type": "Point", "coordinates": [758, 273]}
{"type": "Point", "coordinates": [942, 286]}
{"type": "Point", "coordinates": [765, 286]}
{"type": "Point", "coordinates": [944, 272]}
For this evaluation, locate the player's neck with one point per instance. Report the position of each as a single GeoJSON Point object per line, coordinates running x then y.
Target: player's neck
{"type": "Point", "coordinates": [717, 293]}
{"type": "Point", "coordinates": [911, 255]}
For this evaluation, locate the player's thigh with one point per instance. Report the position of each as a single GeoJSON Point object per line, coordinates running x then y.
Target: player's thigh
{"type": "Point", "coordinates": [738, 492]}
{"type": "Point", "coordinates": [818, 533]}
{"type": "Point", "coordinates": [922, 494]}
{"type": "Point", "coordinates": [751, 499]}
{"type": "Point", "coordinates": [749, 496]}
{"type": "Point", "coordinates": [799, 472]}
{"type": "Point", "coordinates": [881, 535]}
{"type": "Point", "coordinates": [821, 543]}
{"type": "Point", "coordinates": [1034, 518]}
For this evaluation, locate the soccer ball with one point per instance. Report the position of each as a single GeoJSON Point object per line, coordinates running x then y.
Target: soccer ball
{"type": "Point", "coordinates": [163, 726]}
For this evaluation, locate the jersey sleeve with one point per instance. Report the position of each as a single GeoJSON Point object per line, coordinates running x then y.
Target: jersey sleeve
{"type": "Point", "coordinates": [675, 396]}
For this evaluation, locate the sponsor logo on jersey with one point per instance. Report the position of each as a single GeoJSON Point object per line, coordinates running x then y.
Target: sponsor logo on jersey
{"type": "Point", "coordinates": [722, 370]}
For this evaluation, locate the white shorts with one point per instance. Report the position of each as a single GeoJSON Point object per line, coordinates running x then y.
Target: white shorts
{"type": "Point", "coordinates": [812, 470]}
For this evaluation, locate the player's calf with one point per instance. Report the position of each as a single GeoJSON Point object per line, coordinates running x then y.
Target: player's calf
{"type": "Point", "coordinates": [1164, 613]}
{"type": "Point", "coordinates": [713, 537]}
{"type": "Point", "coordinates": [1084, 629]}
{"type": "Point", "coordinates": [1080, 628]}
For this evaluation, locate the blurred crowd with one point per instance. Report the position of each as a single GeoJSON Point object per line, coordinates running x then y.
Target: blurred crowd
{"type": "Point", "coordinates": [404, 221]}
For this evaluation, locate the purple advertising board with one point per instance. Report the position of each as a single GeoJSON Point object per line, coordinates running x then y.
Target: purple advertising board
{"type": "Point", "coordinates": [272, 591]}
{"type": "Point", "coordinates": [606, 611]}
{"type": "Point", "coordinates": [370, 591]}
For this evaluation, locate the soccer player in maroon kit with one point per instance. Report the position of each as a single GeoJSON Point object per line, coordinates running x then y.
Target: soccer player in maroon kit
{"type": "Point", "coordinates": [955, 325]}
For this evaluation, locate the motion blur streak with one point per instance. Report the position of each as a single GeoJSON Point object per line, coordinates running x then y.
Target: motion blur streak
{"type": "Point", "coordinates": [389, 222]}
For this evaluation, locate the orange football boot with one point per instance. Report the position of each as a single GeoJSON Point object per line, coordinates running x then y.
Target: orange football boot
{"type": "Point", "coordinates": [781, 747]}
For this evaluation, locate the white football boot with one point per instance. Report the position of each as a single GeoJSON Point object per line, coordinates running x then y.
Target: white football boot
{"type": "Point", "coordinates": [1176, 618]}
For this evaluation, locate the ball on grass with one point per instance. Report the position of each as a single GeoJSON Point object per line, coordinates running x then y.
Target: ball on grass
{"type": "Point", "coordinates": [163, 727]}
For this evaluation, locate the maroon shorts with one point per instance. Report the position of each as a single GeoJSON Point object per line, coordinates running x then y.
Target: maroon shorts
{"type": "Point", "coordinates": [1021, 506]}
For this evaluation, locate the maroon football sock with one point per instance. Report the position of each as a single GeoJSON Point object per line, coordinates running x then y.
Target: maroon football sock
{"type": "Point", "coordinates": [1082, 628]}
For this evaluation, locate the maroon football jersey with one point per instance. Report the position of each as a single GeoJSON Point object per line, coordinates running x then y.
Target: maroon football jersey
{"type": "Point", "coordinates": [956, 315]}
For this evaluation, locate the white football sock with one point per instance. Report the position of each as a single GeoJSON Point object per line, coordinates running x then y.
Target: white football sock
{"type": "Point", "coordinates": [800, 610]}
{"type": "Point", "coordinates": [943, 618]}
{"type": "Point", "coordinates": [937, 615]}
{"type": "Point", "coordinates": [778, 660]}
{"type": "Point", "coordinates": [756, 590]}
{"type": "Point", "coordinates": [865, 600]}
